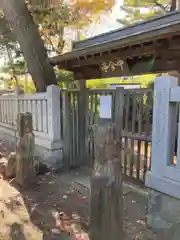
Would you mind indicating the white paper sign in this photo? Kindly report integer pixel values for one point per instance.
(105, 106)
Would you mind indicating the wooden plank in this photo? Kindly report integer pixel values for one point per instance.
(138, 163)
(133, 123)
(66, 130)
(83, 106)
(145, 159)
(140, 109)
(119, 108)
(147, 113)
(72, 160)
(77, 126)
(96, 107)
(126, 130)
(73, 133)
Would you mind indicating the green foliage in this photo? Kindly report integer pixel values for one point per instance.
(65, 78)
(143, 80)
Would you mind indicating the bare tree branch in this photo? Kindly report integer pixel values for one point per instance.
(157, 4)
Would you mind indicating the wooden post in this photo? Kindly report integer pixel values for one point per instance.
(106, 185)
(25, 169)
(82, 111)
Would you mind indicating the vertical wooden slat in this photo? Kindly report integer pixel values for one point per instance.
(138, 159)
(140, 113)
(119, 105)
(96, 107)
(147, 114)
(77, 126)
(133, 127)
(66, 132)
(82, 122)
(71, 130)
(91, 120)
(74, 151)
(126, 131)
(140, 130)
(145, 159)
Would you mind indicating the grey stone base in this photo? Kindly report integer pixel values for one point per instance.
(53, 157)
(164, 214)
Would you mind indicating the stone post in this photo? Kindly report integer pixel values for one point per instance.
(106, 186)
(54, 120)
(25, 168)
(164, 177)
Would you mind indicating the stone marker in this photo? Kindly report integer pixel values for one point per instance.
(25, 169)
(106, 186)
(10, 168)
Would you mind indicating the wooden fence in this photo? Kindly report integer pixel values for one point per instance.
(135, 132)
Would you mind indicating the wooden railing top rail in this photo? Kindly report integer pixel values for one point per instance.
(137, 136)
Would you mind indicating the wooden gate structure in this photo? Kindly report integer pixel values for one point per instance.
(136, 123)
(148, 47)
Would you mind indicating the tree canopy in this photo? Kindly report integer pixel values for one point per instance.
(139, 10)
(47, 18)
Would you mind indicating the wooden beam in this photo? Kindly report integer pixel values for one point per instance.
(85, 73)
(110, 56)
(159, 66)
(119, 55)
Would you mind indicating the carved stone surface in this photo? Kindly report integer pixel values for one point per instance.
(105, 149)
(25, 169)
(10, 170)
(106, 186)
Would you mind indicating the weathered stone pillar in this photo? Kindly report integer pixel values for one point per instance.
(106, 186)
(175, 74)
(164, 177)
(25, 169)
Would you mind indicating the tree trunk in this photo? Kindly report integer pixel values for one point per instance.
(26, 32)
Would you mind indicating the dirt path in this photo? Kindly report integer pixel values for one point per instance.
(54, 210)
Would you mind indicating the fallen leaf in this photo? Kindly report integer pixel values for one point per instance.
(84, 197)
(142, 221)
(64, 197)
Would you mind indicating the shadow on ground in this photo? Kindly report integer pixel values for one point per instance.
(51, 207)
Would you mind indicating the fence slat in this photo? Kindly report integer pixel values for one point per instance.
(126, 130)
(138, 163)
